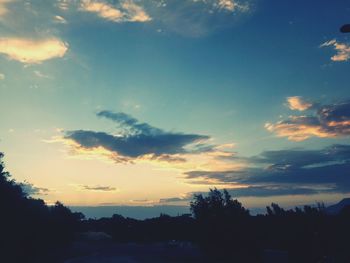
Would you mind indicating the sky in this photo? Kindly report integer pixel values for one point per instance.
(145, 103)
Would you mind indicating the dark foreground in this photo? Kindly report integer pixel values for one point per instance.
(136, 253)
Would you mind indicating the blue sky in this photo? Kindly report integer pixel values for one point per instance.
(194, 94)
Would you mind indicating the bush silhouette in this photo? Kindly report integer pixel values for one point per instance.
(31, 230)
(223, 226)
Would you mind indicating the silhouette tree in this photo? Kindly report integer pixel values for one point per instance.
(223, 226)
(30, 230)
(217, 205)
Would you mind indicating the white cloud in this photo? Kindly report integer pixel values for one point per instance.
(59, 20)
(298, 103)
(32, 51)
(343, 50)
(2, 76)
(128, 11)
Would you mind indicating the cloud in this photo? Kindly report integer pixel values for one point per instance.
(103, 10)
(285, 172)
(135, 13)
(327, 121)
(59, 20)
(130, 124)
(63, 4)
(172, 200)
(226, 5)
(98, 188)
(128, 11)
(2, 76)
(134, 140)
(197, 18)
(250, 191)
(32, 51)
(299, 128)
(231, 5)
(343, 50)
(272, 190)
(298, 103)
(39, 74)
(3, 8)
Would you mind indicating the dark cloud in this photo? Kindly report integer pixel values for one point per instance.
(281, 172)
(173, 199)
(129, 123)
(251, 191)
(327, 121)
(299, 158)
(273, 190)
(339, 112)
(136, 139)
(99, 188)
(345, 28)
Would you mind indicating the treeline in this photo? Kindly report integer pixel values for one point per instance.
(226, 232)
(305, 234)
(31, 231)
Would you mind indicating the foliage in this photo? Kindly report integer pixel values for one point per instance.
(30, 230)
(217, 206)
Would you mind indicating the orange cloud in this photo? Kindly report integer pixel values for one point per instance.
(298, 103)
(298, 132)
(231, 5)
(325, 121)
(343, 50)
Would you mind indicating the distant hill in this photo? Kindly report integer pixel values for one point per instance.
(336, 208)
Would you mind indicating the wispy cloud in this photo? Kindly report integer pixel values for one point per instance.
(102, 9)
(39, 74)
(98, 188)
(326, 121)
(32, 51)
(342, 49)
(127, 11)
(197, 18)
(226, 5)
(63, 4)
